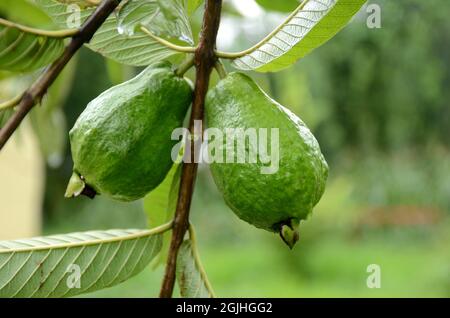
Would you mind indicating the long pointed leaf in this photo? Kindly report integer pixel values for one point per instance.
(51, 266)
(160, 204)
(23, 51)
(191, 277)
(312, 24)
(137, 49)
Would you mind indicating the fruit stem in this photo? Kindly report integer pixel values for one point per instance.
(220, 69)
(205, 59)
(289, 232)
(185, 66)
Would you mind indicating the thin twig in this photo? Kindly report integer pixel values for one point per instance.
(205, 59)
(35, 93)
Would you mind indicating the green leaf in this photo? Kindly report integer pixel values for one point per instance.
(6, 75)
(312, 24)
(191, 277)
(51, 129)
(49, 121)
(174, 21)
(52, 266)
(164, 18)
(160, 204)
(192, 5)
(5, 115)
(282, 6)
(137, 49)
(75, 187)
(24, 12)
(82, 3)
(118, 73)
(12, 88)
(23, 49)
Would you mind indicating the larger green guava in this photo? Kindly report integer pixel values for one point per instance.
(272, 201)
(121, 143)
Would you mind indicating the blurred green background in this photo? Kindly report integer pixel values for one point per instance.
(377, 101)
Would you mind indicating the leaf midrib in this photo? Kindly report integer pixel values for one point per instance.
(140, 234)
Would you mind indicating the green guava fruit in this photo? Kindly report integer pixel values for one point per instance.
(121, 143)
(272, 200)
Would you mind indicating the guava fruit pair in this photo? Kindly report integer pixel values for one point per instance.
(121, 147)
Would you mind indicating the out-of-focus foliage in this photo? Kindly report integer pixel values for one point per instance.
(167, 18)
(49, 121)
(384, 89)
(372, 89)
(191, 278)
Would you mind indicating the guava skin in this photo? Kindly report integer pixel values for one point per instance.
(274, 202)
(121, 143)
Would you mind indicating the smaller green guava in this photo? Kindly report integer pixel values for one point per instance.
(121, 144)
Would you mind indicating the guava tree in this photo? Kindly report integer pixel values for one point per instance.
(121, 142)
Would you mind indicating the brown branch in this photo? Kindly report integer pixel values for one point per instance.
(36, 92)
(205, 60)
